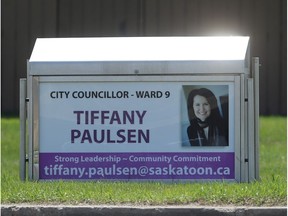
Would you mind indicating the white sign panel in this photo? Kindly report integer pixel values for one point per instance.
(136, 130)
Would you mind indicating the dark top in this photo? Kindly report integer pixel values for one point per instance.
(217, 135)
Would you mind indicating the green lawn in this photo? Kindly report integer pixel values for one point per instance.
(270, 191)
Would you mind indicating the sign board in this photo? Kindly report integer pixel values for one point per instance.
(136, 126)
(129, 130)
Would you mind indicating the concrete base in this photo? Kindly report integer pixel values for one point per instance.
(62, 210)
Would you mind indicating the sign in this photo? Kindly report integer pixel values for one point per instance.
(127, 130)
(142, 108)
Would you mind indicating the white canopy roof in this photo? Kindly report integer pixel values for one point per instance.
(114, 55)
(140, 49)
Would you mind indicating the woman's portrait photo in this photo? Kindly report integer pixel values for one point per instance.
(207, 115)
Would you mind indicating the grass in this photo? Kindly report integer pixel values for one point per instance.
(270, 191)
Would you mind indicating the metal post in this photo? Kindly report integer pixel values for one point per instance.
(255, 75)
(243, 135)
(23, 95)
(251, 130)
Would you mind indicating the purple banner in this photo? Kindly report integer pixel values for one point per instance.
(137, 166)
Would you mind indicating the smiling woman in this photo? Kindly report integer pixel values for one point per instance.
(201, 107)
(206, 124)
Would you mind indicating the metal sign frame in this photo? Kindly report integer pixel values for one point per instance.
(246, 109)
